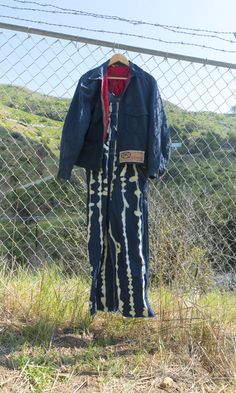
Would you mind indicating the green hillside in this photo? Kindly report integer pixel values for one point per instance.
(21, 98)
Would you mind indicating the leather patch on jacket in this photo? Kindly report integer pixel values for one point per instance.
(131, 156)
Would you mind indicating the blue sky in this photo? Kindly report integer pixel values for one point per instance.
(203, 14)
(33, 64)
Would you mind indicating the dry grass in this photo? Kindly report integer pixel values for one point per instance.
(49, 343)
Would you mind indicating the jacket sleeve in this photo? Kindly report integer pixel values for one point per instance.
(74, 129)
(159, 140)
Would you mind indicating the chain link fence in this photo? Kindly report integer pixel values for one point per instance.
(192, 209)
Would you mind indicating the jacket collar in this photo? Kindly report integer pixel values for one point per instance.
(99, 72)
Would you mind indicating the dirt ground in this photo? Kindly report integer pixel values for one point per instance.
(178, 376)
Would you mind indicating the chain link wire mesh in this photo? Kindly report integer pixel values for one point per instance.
(192, 209)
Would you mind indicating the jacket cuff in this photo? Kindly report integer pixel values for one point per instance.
(64, 173)
(161, 171)
(153, 176)
(157, 175)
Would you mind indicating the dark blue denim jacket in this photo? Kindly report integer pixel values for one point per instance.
(142, 124)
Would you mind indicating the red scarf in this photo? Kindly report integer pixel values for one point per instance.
(115, 85)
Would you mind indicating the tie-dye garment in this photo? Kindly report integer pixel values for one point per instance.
(117, 228)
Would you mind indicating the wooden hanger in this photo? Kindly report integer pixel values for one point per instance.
(118, 57)
(114, 59)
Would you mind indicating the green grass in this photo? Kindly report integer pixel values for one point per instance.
(221, 305)
(50, 300)
(39, 371)
(50, 330)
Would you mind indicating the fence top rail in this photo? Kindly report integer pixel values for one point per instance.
(69, 37)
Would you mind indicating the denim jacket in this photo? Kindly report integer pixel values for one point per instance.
(143, 135)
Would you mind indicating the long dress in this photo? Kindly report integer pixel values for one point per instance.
(117, 231)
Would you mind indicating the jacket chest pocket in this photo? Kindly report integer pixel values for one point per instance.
(135, 119)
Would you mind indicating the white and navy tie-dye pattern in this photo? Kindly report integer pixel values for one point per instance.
(117, 228)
